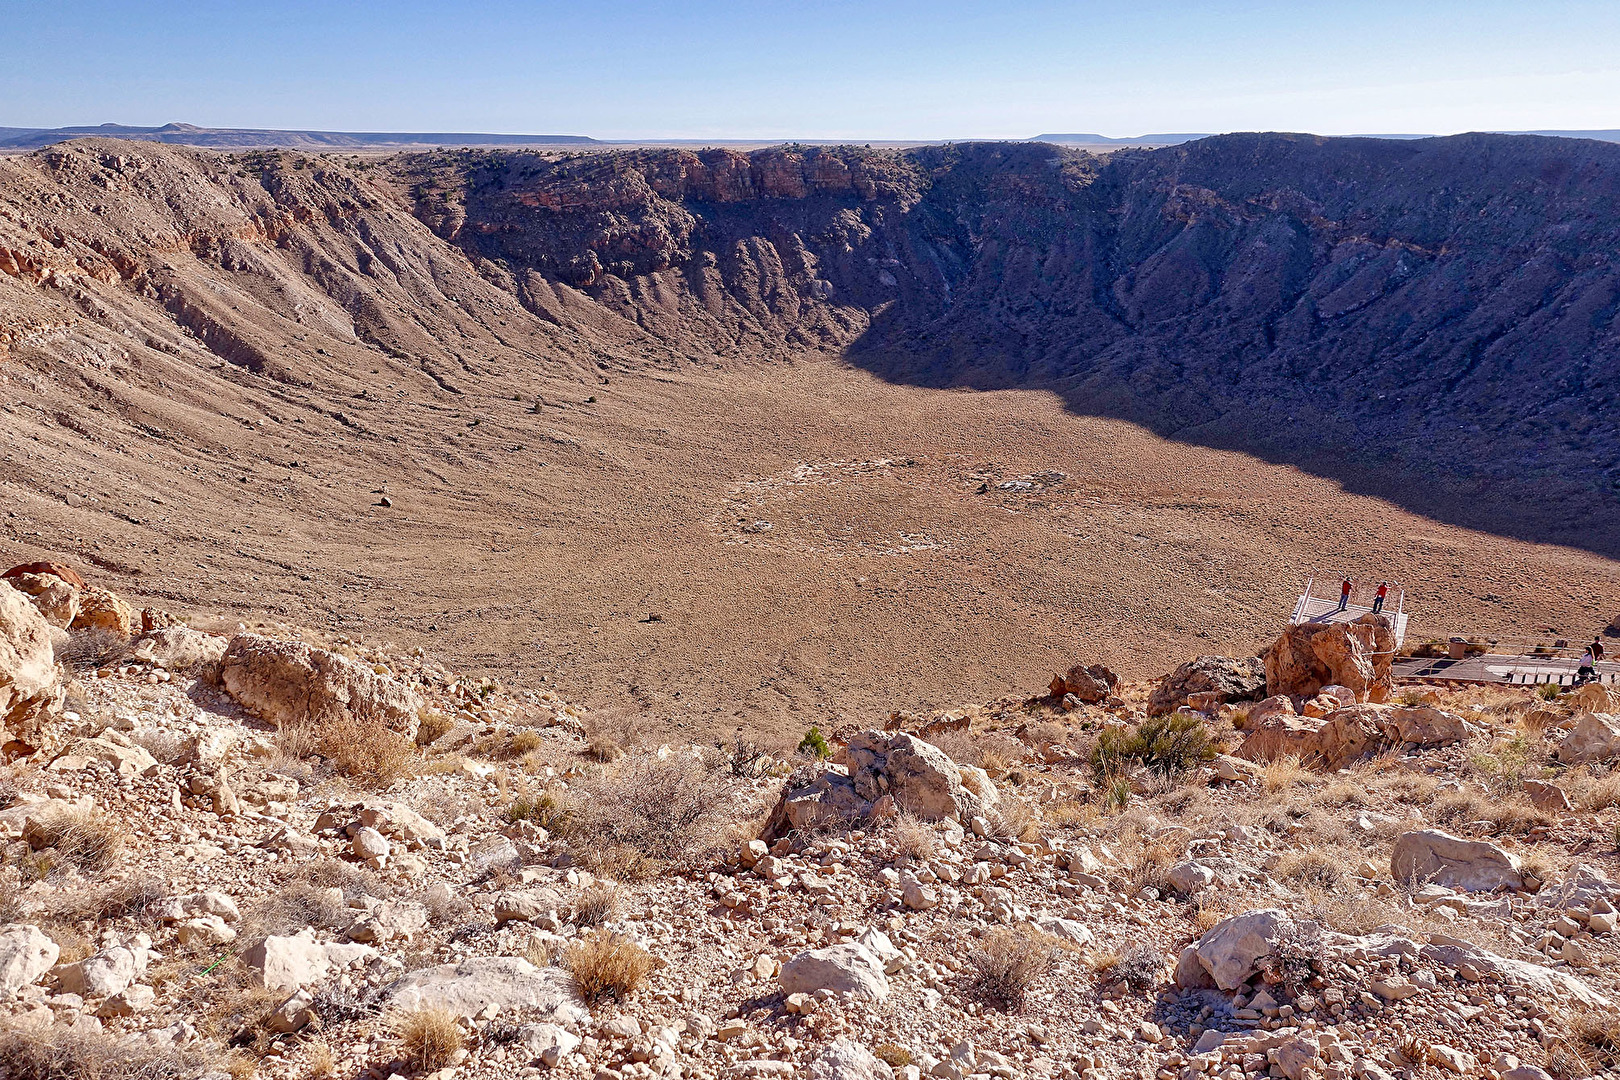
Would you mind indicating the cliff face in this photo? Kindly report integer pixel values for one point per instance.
(1431, 319)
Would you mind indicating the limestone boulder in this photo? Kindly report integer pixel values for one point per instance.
(26, 953)
(1091, 684)
(845, 1059)
(1430, 855)
(31, 688)
(1346, 735)
(1592, 737)
(1232, 678)
(1357, 656)
(290, 682)
(919, 775)
(827, 800)
(508, 982)
(111, 749)
(180, 648)
(1231, 950)
(287, 963)
(108, 972)
(57, 600)
(101, 609)
(844, 969)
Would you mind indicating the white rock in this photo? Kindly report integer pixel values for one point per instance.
(1430, 855)
(507, 982)
(26, 953)
(850, 968)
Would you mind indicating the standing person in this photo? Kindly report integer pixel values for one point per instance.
(1378, 601)
(1587, 671)
(1344, 594)
(1597, 651)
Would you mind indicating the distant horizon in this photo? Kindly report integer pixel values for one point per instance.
(18, 136)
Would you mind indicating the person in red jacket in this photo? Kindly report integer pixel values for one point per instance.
(1378, 600)
(1344, 594)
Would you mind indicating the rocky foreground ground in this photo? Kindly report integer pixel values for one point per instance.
(264, 854)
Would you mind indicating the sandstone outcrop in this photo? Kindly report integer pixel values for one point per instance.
(1230, 678)
(31, 687)
(101, 609)
(1091, 684)
(289, 682)
(1231, 950)
(843, 969)
(1355, 655)
(1346, 735)
(914, 775)
(56, 599)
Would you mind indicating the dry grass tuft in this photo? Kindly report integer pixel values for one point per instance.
(432, 725)
(1315, 867)
(914, 838)
(607, 965)
(1012, 818)
(430, 1038)
(596, 905)
(1283, 774)
(59, 1053)
(1511, 816)
(361, 749)
(88, 649)
(892, 1055)
(78, 836)
(1007, 965)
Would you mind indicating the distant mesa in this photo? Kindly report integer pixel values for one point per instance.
(249, 138)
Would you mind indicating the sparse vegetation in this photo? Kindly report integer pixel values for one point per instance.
(606, 965)
(914, 838)
(815, 745)
(1169, 745)
(1006, 966)
(430, 1038)
(664, 809)
(78, 836)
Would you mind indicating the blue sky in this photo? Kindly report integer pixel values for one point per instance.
(815, 68)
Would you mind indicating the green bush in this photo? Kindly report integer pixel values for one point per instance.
(1166, 745)
(814, 743)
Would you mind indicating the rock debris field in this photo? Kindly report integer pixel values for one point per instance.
(274, 854)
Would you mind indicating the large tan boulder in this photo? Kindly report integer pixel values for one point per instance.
(1232, 950)
(1592, 737)
(1351, 734)
(100, 609)
(291, 683)
(1091, 684)
(31, 687)
(1230, 678)
(180, 648)
(1430, 855)
(1595, 697)
(843, 969)
(56, 599)
(1357, 656)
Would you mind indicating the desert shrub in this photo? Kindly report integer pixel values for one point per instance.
(1547, 691)
(1167, 745)
(522, 742)
(595, 905)
(431, 726)
(1594, 793)
(604, 748)
(545, 810)
(430, 1038)
(1514, 816)
(291, 909)
(79, 836)
(1012, 819)
(814, 743)
(914, 838)
(1006, 965)
(1140, 967)
(988, 750)
(1284, 773)
(1148, 866)
(164, 745)
(354, 880)
(1116, 793)
(361, 749)
(230, 1006)
(320, 1061)
(607, 965)
(1313, 867)
(95, 647)
(666, 809)
(892, 1055)
(61, 1053)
